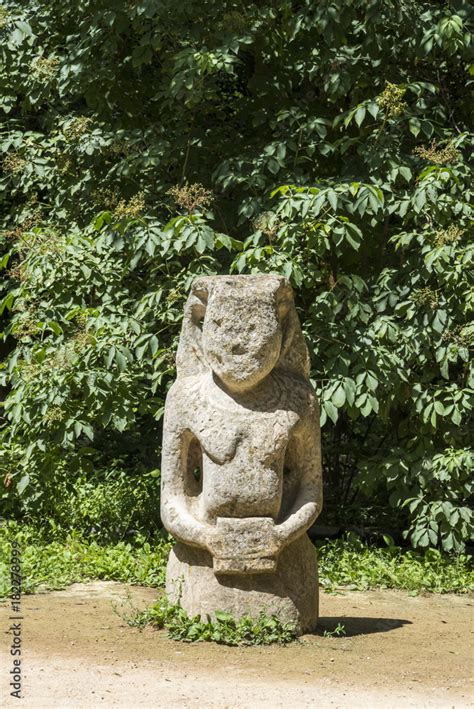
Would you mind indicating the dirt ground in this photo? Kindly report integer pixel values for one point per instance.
(399, 651)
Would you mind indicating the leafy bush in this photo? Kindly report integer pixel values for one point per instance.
(223, 628)
(353, 564)
(72, 558)
(146, 143)
(111, 506)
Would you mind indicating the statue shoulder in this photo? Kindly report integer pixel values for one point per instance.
(183, 392)
(300, 395)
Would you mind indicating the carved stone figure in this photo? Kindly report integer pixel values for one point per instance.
(241, 470)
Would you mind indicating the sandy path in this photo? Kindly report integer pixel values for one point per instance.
(398, 651)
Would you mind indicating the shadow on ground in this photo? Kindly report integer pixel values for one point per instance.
(351, 626)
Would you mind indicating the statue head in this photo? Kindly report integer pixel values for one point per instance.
(241, 328)
(241, 335)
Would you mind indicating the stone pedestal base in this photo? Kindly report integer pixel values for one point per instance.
(290, 593)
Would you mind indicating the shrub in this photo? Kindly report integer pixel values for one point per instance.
(146, 143)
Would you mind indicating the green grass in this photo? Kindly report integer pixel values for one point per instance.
(58, 563)
(352, 564)
(55, 563)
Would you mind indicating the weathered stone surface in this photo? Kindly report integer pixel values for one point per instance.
(241, 471)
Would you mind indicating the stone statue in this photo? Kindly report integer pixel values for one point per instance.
(241, 470)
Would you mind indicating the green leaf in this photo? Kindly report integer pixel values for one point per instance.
(414, 126)
(360, 115)
(5, 259)
(332, 199)
(330, 410)
(23, 484)
(87, 429)
(405, 172)
(273, 166)
(338, 397)
(154, 344)
(110, 357)
(120, 360)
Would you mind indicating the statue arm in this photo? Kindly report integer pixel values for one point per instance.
(306, 463)
(175, 513)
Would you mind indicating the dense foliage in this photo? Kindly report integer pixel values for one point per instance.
(146, 142)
